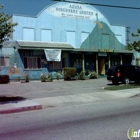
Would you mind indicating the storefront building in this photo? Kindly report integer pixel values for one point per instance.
(83, 35)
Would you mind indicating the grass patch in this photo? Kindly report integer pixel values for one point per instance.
(120, 87)
(5, 99)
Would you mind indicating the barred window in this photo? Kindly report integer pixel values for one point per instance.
(55, 65)
(32, 62)
(4, 61)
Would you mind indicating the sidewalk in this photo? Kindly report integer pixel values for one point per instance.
(58, 101)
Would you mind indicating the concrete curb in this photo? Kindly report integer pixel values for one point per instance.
(21, 109)
(20, 106)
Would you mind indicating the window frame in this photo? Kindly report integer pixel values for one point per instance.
(34, 66)
(55, 65)
(4, 63)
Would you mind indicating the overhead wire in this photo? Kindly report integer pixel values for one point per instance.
(104, 5)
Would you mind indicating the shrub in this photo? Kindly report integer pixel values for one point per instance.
(4, 79)
(50, 78)
(93, 75)
(69, 73)
(43, 78)
(82, 76)
(59, 75)
(26, 78)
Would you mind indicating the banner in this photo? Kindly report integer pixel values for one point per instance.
(53, 54)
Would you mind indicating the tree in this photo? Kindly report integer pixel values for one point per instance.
(136, 44)
(6, 27)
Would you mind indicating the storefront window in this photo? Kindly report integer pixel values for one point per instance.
(115, 60)
(32, 62)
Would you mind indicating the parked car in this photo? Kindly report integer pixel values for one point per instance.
(124, 74)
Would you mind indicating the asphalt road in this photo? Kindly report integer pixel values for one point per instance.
(109, 120)
(50, 89)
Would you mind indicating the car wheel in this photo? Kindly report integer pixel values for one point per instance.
(126, 80)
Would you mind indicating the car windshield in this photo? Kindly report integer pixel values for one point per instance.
(113, 67)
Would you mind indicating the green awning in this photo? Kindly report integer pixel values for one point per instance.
(44, 45)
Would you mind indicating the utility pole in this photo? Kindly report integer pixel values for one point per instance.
(0, 52)
(127, 33)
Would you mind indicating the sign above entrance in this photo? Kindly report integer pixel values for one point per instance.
(73, 10)
(105, 50)
(53, 54)
(102, 54)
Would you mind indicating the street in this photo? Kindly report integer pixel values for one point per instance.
(51, 53)
(106, 120)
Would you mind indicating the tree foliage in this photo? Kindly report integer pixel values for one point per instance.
(6, 27)
(136, 44)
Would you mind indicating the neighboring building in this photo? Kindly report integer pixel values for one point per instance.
(79, 33)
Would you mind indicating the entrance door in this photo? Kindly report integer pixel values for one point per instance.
(102, 66)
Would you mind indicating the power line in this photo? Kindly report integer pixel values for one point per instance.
(104, 5)
(124, 7)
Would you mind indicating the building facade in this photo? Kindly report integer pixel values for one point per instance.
(80, 33)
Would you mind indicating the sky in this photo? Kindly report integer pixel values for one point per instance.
(116, 16)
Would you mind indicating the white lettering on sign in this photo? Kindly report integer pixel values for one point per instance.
(75, 6)
(72, 11)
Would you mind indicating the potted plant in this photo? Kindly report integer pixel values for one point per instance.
(26, 78)
(93, 75)
(43, 78)
(59, 75)
(50, 78)
(81, 76)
